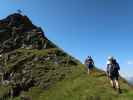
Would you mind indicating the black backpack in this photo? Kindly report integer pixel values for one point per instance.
(113, 69)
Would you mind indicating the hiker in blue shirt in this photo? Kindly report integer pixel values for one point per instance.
(113, 73)
(89, 63)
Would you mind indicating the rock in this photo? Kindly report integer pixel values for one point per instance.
(17, 31)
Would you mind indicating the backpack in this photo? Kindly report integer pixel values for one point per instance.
(89, 61)
(112, 69)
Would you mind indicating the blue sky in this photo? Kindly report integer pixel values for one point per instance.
(83, 27)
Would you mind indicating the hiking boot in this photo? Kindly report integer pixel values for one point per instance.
(119, 91)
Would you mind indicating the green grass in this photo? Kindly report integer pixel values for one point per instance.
(44, 72)
(3, 90)
(80, 86)
(51, 83)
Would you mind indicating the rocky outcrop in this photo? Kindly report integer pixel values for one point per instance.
(17, 31)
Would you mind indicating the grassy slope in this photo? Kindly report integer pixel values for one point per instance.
(76, 86)
(44, 72)
(80, 86)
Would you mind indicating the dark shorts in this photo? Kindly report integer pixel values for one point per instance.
(90, 66)
(114, 77)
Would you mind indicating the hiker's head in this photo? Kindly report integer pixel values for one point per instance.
(110, 58)
(89, 57)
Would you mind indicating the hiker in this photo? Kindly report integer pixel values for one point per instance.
(89, 64)
(113, 73)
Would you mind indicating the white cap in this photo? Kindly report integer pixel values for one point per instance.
(110, 58)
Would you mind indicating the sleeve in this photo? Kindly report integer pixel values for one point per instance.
(92, 61)
(118, 67)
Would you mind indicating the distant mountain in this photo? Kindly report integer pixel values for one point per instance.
(130, 80)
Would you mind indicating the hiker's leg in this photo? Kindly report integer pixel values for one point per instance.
(118, 85)
(88, 71)
(112, 83)
(93, 71)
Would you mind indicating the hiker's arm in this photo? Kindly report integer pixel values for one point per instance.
(92, 62)
(107, 70)
(118, 66)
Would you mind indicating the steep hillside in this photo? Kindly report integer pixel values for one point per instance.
(28, 58)
(34, 68)
(22, 69)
